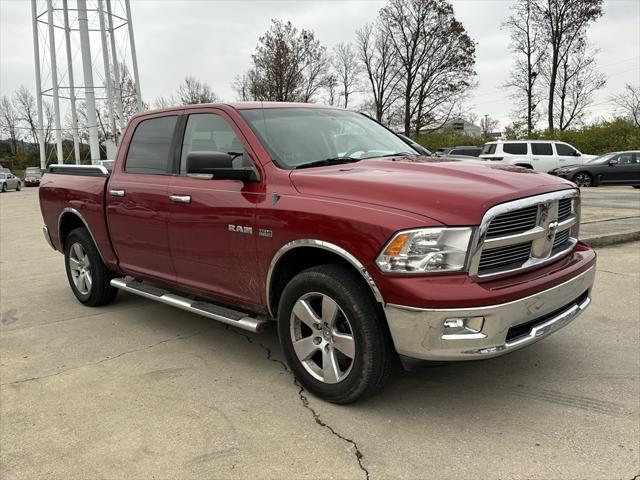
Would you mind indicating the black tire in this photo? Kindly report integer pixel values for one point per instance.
(374, 356)
(18, 186)
(583, 179)
(100, 292)
(636, 186)
(4, 187)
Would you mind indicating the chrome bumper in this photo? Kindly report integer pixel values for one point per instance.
(420, 333)
(47, 237)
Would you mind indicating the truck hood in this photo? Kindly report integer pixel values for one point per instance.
(452, 192)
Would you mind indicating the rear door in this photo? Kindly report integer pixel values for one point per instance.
(543, 156)
(211, 224)
(137, 199)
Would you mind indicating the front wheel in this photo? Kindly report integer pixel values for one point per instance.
(333, 334)
(18, 187)
(583, 179)
(88, 276)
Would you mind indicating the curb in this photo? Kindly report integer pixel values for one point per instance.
(611, 239)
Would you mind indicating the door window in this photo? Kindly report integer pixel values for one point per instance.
(565, 150)
(150, 148)
(626, 158)
(209, 132)
(541, 149)
(515, 148)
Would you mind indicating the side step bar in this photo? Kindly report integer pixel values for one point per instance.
(199, 307)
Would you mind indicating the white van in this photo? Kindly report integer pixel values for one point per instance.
(540, 155)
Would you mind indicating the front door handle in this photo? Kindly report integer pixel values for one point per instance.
(117, 193)
(180, 198)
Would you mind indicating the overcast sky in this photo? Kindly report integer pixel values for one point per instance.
(213, 40)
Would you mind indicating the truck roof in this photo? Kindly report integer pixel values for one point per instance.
(239, 106)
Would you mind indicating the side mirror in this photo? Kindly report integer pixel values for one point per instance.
(576, 154)
(613, 161)
(218, 164)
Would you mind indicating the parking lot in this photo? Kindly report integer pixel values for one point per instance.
(141, 390)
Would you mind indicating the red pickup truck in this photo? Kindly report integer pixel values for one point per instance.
(362, 250)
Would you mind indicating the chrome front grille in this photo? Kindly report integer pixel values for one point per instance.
(509, 223)
(526, 233)
(511, 256)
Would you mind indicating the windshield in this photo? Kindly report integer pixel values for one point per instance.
(300, 136)
(33, 172)
(601, 159)
(3, 176)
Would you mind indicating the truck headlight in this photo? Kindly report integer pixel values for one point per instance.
(426, 250)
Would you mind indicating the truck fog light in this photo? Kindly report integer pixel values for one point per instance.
(463, 325)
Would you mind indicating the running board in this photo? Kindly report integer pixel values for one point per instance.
(199, 307)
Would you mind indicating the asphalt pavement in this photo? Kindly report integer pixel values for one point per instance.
(141, 390)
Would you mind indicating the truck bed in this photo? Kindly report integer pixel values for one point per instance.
(77, 190)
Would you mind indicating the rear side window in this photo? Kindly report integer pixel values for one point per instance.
(541, 149)
(150, 149)
(565, 150)
(515, 148)
(489, 149)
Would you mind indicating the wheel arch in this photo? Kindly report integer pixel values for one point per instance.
(70, 219)
(301, 254)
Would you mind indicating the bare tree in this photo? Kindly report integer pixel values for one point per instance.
(331, 87)
(128, 95)
(565, 23)
(9, 122)
(436, 57)
(347, 69)
(528, 44)
(288, 65)
(192, 91)
(628, 103)
(577, 82)
(376, 53)
(25, 104)
(488, 125)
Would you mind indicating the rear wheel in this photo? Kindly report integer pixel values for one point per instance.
(88, 276)
(583, 179)
(4, 187)
(18, 186)
(333, 334)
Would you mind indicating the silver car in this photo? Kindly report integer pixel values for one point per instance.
(9, 181)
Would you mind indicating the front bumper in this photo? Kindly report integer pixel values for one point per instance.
(420, 333)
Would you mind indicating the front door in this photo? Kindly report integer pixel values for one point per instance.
(137, 202)
(211, 224)
(625, 172)
(567, 155)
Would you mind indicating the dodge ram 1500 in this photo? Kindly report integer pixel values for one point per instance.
(324, 221)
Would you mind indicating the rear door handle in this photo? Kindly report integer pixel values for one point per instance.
(180, 198)
(117, 193)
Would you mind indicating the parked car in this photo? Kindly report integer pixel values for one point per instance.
(32, 176)
(617, 168)
(415, 145)
(468, 151)
(540, 155)
(8, 181)
(245, 213)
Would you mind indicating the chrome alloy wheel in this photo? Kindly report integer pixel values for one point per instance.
(322, 337)
(582, 180)
(80, 269)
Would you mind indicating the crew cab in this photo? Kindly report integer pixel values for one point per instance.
(321, 220)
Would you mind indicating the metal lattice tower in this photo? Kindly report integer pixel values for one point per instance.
(84, 51)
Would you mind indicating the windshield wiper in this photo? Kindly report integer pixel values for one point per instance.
(328, 161)
(398, 154)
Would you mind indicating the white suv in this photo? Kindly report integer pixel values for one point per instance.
(540, 155)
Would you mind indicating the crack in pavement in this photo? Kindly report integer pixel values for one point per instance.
(304, 400)
(108, 359)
